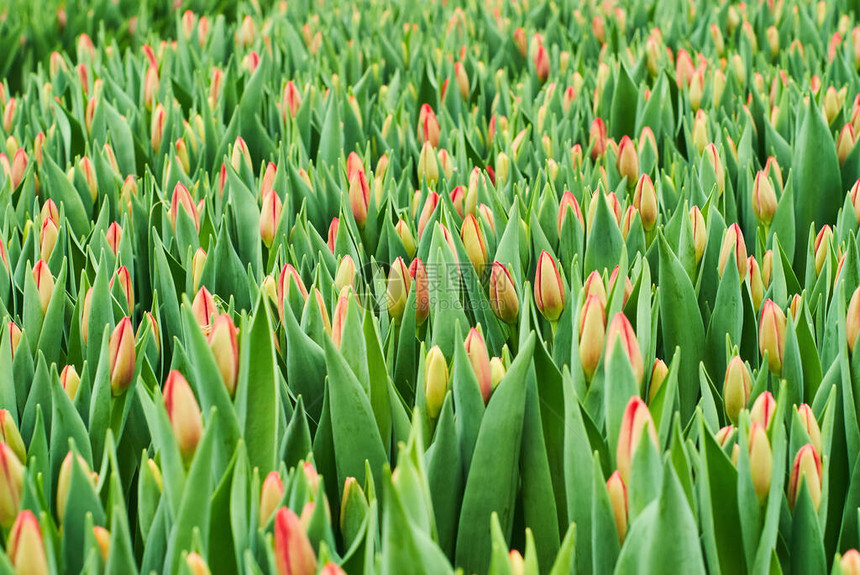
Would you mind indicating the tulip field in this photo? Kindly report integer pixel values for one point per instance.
(479, 287)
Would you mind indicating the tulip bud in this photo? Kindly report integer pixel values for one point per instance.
(549, 288)
(428, 167)
(736, 388)
(497, 371)
(541, 61)
(756, 283)
(521, 42)
(618, 499)
(332, 569)
(397, 291)
(806, 469)
(763, 198)
(771, 335)
(359, 197)
(822, 243)
(852, 323)
(850, 562)
(64, 480)
(332, 233)
(339, 316)
(810, 425)
(473, 241)
(427, 211)
(271, 495)
(405, 235)
(733, 241)
(11, 484)
(659, 372)
(767, 268)
(70, 380)
(462, 80)
(763, 409)
(126, 286)
(713, 158)
(592, 331)
(569, 204)
(159, 118)
(620, 329)
(182, 199)
(597, 138)
(293, 552)
(628, 286)
(503, 165)
(637, 419)
(240, 155)
(645, 200)
(503, 294)
(122, 356)
(435, 381)
(25, 549)
(761, 461)
(270, 215)
(422, 290)
(48, 238)
(222, 342)
(700, 232)
(19, 167)
(628, 161)
(113, 237)
(203, 307)
(183, 413)
(291, 100)
(428, 126)
(44, 283)
(845, 143)
(476, 349)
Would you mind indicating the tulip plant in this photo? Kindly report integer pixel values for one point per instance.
(435, 287)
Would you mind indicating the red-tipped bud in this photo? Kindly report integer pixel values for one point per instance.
(645, 200)
(476, 349)
(427, 211)
(125, 285)
(203, 307)
(11, 485)
(122, 356)
(549, 288)
(756, 283)
(26, 549)
(771, 335)
(806, 469)
(428, 126)
(628, 161)
(503, 294)
(270, 215)
(763, 409)
(733, 242)
(222, 342)
(850, 562)
(293, 552)
(70, 380)
(44, 283)
(852, 322)
(541, 61)
(332, 233)
(810, 425)
(597, 138)
(291, 100)
(700, 232)
(618, 498)
(637, 420)
(181, 199)
(569, 204)
(359, 197)
(592, 332)
(822, 247)
(418, 273)
(845, 143)
(64, 481)
(621, 330)
(764, 198)
(114, 237)
(183, 413)
(659, 372)
(48, 238)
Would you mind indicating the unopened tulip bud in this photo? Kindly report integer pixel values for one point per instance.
(628, 161)
(592, 332)
(222, 342)
(26, 549)
(761, 461)
(126, 286)
(291, 100)
(763, 198)
(621, 330)
(637, 419)
(597, 138)
(114, 237)
(181, 199)
(418, 273)
(294, 554)
(850, 562)
(198, 263)
(332, 569)
(48, 238)
(569, 204)
(203, 307)
(767, 268)
(503, 294)
(19, 167)
(271, 495)
(339, 316)
(541, 62)
(852, 324)
(805, 469)
(771, 335)
(497, 371)
(757, 287)
(462, 80)
(733, 242)
(270, 215)
(359, 197)
(428, 126)
(503, 166)
(183, 413)
(479, 359)
(445, 163)
(645, 200)
(713, 158)
(810, 425)
(122, 356)
(763, 409)
(659, 372)
(831, 104)
(427, 211)
(700, 232)
(406, 237)
(44, 283)
(428, 167)
(618, 499)
(159, 118)
(845, 143)
(64, 481)
(435, 381)
(473, 241)
(11, 485)
(70, 380)
(628, 286)
(736, 388)
(549, 288)
(521, 42)
(821, 247)
(397, 290)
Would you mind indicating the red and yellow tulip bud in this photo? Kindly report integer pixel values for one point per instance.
(757, 287)
(418, 273)
(406, 237)
(122, 356)
(48, 238)
(197, 565)
(18, 167)
(810, 425)
(339, 316)
(474, 243)
(445, 163)
(345, 274)
(203, 307)
(427, 211)
(771, 335)
(9, 114)
(479, 359)
(114, 237)
(26, 549)
(592, 332)
(428, 126)
(628, 161)
(549, 288)
(181, 199)
(659, 372)
(832, 104)
(150, 87)
(821, 247)
(159, 118)
(637, 421)
(183, 413)
(699, 133)
(597, 138)
(270, 215)
(763, 409)
(733, 241)
(621, 330)
(462, 80)
(845, 143)
(11, 485)
(761, 461)
(541, 62)
(724, 435)
(794, 306)
(684, 68)
(397, 290)
(271, 495)
(435, 381)
(458, 199)
(291, 100)
(70, 380)
(700, 232)
(852, 322)
(645, 200)
(767, 268)
(64, 480)
(428, 167)
(697, 88)
(10, 435)
(102, 537)
(569, 204)
(353, 165)
(332, 569)
(713, 158)
(594, 286)
(611, 202)
(359, 197)
(225, 349)
(736, 388)
(125, 285)
(521, 42)
(618, 499)
(850, 562)
(44, 283)
(503, 294)
(628, 286)
(332, 233)
(805, 469)
(763, 198)
(293, 552)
